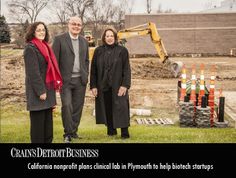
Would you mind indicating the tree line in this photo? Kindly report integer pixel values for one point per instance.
(94, 13)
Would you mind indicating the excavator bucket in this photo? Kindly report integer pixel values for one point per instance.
(174, 66)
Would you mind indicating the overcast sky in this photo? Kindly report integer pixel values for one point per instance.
(139, 6)
(176, 5)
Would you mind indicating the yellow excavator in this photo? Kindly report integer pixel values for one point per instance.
(149, 29)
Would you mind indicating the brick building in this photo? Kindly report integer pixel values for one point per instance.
(186, 33)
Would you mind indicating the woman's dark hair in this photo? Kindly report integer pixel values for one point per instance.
(30, 34)
(114, 33)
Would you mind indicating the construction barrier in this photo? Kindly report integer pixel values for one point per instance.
(202, 98)
(183, 84)
(221, 123)
(193, 90)
(211, 98)
(202, 86)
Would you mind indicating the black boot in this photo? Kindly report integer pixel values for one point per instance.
(111, 131)
(124, 133)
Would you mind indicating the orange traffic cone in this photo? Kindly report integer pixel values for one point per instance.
(202, 87)
(211, 96)
(193, 89)
(193, 85)
(183, 84)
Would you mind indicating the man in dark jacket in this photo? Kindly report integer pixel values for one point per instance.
(71, 51)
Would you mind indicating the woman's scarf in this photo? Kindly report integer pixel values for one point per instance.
(53, 75)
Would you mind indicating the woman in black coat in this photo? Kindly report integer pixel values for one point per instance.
(110, 80)
(42, 79)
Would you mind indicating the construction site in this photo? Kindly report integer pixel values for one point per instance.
(201, 92)
(202, 46)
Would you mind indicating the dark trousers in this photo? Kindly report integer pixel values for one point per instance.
(41, 126)
(108, 108)
(72, 98)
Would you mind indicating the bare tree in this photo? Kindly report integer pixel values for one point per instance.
(20, 34)
(102, 12)
(59, 8)
(149, 6)
(79, 7)
(108, 12)
(22, 10)
(159, 10)
(124, 7)
(169, 11)
(129, 4)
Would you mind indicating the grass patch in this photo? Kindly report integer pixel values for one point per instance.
(11, 52)
(15, 128)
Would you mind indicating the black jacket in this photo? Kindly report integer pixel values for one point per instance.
(121, 76)
(35, 76)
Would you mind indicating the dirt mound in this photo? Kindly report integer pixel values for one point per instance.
(12, 79)
(13, 74)
(146, 69)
